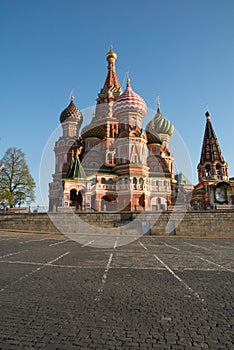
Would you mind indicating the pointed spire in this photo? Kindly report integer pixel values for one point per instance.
(111, 88)
(210, 148)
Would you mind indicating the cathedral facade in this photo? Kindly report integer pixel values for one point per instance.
(112, 164)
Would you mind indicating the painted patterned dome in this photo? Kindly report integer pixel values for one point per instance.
(159, 124)
(129, 101)
(71, 113)
(152, 136)
(93, 130)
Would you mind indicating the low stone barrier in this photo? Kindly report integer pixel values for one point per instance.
(189, 224)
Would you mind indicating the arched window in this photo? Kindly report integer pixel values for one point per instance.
(110, 181)
(109, 157)
(93, 181)
(134, 181)
(141, 181)
(156, 183)
(103, 180)
(207, 170)
(165, 183)
(218, 169)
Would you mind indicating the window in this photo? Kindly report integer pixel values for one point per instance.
(93, 181)
(134, 181)
(218, 169)
(207, 170)
(103, 180)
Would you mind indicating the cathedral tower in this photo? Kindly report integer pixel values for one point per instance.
(214, 189)
(212, 165)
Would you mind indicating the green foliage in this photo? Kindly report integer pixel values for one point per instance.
(16, 183)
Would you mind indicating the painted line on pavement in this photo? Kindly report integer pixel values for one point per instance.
(170, 246)
(196, 246)
(116, 241)
(35, 240)
(104, 279)
(179, 279)
(221, 246)
(215, 264)
(61, 242)
(86, 244)
(143, 245)
(56, 259)
(31, 273)
(10, 254)
(8, 239)
(101, 267)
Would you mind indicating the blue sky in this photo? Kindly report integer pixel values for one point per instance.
(181, 49)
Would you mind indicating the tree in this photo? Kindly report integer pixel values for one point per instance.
(16, 183)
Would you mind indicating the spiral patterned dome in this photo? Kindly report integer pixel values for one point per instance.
(129, 101)
(71, 113)
(159, 124)
(151, 134)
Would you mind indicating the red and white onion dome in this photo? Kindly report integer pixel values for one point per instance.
(71, 113)
(129, 101)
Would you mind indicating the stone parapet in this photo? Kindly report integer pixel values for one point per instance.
(182, 224)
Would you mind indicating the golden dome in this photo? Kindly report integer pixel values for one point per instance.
(111, 54)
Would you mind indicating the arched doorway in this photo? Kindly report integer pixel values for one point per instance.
(76, 199)
(108, 203)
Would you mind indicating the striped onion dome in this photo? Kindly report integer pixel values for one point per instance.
(152, 136)
(129, 101)
(71, 113)
(159, 124)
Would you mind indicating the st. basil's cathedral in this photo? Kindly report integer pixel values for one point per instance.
(112, 164)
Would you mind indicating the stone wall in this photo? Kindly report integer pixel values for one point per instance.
(195, 224)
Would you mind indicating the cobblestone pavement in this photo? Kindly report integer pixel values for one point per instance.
(154, 293)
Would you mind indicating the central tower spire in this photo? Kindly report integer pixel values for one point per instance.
(111, 88)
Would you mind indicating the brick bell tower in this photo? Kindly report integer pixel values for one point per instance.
(214, 187)
(71, 119)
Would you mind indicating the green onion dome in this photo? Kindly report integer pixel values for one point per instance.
(151, 134)
(160, 124)
(93, 130)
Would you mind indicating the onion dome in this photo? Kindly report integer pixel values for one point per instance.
(160, 124)
(93, 130)
(111, 54)
(129, 101)
(71, 113)
(152, 136)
